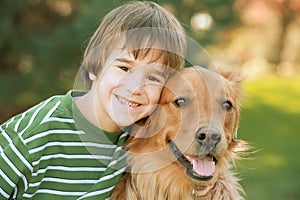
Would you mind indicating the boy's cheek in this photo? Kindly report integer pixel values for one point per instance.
(155, 94)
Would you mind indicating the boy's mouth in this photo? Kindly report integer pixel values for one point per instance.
(127, 103)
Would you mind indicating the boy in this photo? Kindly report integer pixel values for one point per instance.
(70, 146)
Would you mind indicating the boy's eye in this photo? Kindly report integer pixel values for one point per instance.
(126, 69)
(157, 79)
(152, 78)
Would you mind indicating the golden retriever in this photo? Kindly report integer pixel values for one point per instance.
(186, 148)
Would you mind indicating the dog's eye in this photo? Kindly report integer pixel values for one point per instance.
(180, 102)
(227, 105)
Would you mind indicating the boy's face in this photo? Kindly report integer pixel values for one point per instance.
(127, 89)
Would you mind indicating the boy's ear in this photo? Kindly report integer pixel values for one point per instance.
(92, 76)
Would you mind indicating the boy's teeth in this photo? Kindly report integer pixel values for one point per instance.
(126, 103)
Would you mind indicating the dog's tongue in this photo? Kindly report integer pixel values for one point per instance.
(203, 167)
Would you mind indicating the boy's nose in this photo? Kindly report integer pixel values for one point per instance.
(135, 85)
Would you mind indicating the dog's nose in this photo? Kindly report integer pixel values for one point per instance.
(208, 136)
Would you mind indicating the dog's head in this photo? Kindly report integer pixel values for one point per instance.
(195, 124)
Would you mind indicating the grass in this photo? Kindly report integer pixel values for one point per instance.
(271, 122)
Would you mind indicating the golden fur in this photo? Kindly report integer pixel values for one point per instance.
(192, 99)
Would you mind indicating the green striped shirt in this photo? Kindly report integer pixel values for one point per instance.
(51, 151)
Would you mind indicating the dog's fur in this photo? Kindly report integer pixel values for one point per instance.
(197, 119)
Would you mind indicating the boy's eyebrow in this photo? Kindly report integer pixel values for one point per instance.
(125, 60)
(130, 62)
(160, 73)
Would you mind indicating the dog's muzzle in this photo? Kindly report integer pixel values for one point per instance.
(208, 137)
(197, 168)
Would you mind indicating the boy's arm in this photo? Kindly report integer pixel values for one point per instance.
(15, 165)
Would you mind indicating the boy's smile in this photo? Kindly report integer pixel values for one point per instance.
(127, 90)
(128, 103)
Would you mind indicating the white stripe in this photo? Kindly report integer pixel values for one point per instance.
(47, 157)
(57, 119)
(56, 192)
(119, 148)
(39, 107)
(69, 169)
(12, 166)
(15, 193)
(19, 121)
(120, 158)
(49, 132)
(124, 135)
(4, 194)
(23, 115)
(60, 180)
(17, 152)
(9, 140)
(97, 192)
(103, 179)
(28, 165)
(9, 121)
(110, 176)
(51, 111)
(6, 136)
(48, 117)
(7, 179)
(69, 144)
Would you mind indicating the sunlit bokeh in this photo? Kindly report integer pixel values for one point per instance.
(201, 21)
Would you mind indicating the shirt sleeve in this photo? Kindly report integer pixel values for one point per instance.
(15, 164)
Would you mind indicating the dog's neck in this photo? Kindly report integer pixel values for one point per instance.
(201, 191)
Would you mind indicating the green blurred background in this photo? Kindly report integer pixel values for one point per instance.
(42, 43)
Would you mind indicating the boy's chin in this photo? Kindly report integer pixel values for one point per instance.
(124, 120)
(126, 123)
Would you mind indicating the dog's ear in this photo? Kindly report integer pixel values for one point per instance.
(167, 96)
(233, 76)
(236, 79)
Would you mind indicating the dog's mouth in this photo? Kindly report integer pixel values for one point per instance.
(197, 168)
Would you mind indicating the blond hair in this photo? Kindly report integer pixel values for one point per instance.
(137, 22)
